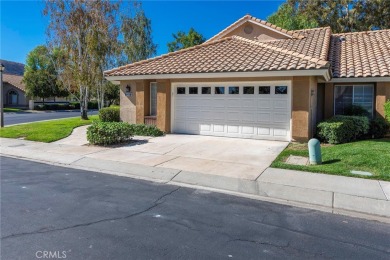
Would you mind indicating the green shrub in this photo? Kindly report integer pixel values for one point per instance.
(146, 130)
(110, 114)
(336, 132)
(106, 133)
(343, 129)
(361, 124)
(387, 110)
(379, 127)
(355, 110)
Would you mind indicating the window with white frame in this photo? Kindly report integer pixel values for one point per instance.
(153, 98)
(347, 95)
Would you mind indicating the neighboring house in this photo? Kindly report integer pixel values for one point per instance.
(256, 80)
(14, 91)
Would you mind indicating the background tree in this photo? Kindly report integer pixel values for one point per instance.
(112, 94)
(288, 18)
(85, 31)
(40, 75)
(345, 15)
(137, 38)
(183, 40)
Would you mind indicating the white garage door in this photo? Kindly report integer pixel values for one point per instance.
(258, 110)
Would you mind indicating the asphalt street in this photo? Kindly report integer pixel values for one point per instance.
(25, 117)
(77, 214)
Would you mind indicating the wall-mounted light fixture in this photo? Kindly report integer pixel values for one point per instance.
(128, 92)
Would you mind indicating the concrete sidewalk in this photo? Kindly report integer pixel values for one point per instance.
(337, 194)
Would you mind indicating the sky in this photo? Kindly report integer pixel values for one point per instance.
(23, 26)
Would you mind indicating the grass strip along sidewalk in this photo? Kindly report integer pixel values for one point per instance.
(47, 131)
(368, 155)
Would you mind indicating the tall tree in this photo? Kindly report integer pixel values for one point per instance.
(183, 40)
(346, 15)
(85, 31)
(40, 75)
(137, 38)
(288, 18)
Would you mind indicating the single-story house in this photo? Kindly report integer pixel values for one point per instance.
(14, 94)
(256, 80)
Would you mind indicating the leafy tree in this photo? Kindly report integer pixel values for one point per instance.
(86, 32)
(137, 38)
(346, 15)
(183, 40)
(40, 75)
(288, 18)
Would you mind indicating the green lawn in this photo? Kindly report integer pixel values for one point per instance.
(368, 155)
(48, 131)
(10, 109)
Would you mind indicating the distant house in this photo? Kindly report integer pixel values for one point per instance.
(14, 94)
(14, 91)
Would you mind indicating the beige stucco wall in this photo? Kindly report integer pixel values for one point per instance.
(302, 108)
(128, 103)
(258, 32)
(382, 95)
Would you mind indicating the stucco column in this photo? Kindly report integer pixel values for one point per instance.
(382, 95)
(301, 131)
(164, 105)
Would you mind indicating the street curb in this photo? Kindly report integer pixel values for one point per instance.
(237, 187)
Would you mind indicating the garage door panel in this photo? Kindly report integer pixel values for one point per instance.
(248, 130)
(206, 127)
(280, 117)
(264, 104)
(264, 131)
(280, 104)
(264, 117)
(233, 129)
(258, 116)
(218, 128)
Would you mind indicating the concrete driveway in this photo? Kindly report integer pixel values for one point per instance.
(230, 157)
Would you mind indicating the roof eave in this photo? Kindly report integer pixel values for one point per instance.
(323, 72)
(357, 80)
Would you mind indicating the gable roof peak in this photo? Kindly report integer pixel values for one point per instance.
(259, 22)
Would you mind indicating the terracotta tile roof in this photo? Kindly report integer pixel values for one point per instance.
(254, 19)
(14, 80)
(315, 43)
(231, 54)
(362, 54)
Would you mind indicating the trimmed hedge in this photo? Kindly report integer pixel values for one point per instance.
(146, 130)
(387, 110)
(379, 127)
(52, 107)
(110, 114)
(107, 133)
(343, 129)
